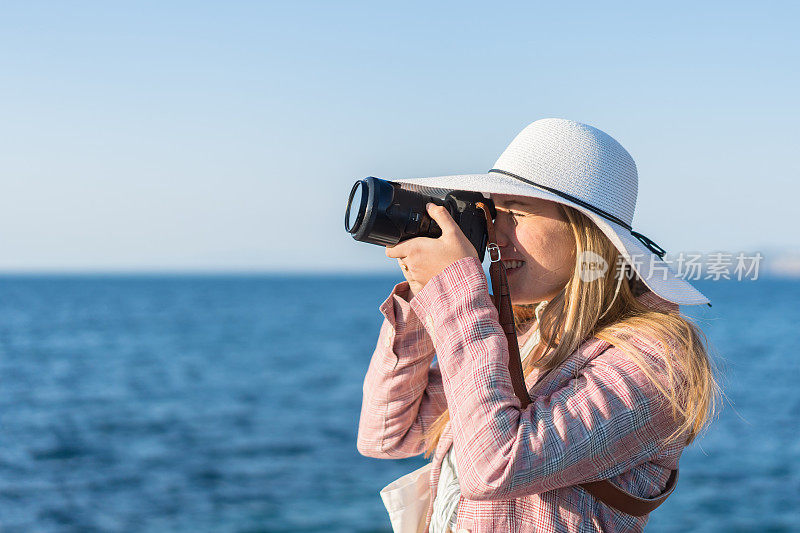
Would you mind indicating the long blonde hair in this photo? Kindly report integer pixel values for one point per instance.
(607, 309)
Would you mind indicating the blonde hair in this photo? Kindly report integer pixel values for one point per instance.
(607, 308)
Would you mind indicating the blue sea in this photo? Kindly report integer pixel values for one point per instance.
(231, 404)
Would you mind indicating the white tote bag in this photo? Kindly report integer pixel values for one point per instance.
(407, 499)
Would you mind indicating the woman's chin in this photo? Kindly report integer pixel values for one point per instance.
(520, 286)
(516, 284)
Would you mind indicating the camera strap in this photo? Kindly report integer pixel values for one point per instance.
(603, 490)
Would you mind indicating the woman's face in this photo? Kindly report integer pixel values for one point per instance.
(535, 232)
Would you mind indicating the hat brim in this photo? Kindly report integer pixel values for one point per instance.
(657, 274)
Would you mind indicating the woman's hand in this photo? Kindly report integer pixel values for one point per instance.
(425, 257)
(413, 286)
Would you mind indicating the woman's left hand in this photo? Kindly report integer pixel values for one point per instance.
(426, 257)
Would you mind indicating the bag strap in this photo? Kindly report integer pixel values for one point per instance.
(603, 490)
(624, 501)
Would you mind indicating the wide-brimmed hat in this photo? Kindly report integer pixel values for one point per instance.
(583, 167)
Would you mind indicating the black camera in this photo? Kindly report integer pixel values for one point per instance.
(384, 212)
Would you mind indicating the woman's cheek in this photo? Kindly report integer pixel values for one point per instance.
(540, 246)
(555, 249)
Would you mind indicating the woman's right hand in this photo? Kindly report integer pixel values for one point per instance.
(413, 286)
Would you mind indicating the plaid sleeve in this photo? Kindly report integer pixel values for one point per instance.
(604, 421)
(403, 390)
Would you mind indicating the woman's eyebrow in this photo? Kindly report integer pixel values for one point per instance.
(512, 203)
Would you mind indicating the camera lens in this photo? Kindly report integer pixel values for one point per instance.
(358, 196)
(381, 212)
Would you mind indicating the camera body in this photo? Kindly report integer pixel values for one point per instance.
(386, 213)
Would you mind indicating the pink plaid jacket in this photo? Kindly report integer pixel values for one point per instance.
(596, 417)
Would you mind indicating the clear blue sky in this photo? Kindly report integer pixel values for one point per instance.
(226, 135)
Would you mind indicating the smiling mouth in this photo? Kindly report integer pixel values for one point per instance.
(512, 265)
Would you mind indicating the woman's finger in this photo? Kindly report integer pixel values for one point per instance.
(400, 249)
(441, 215)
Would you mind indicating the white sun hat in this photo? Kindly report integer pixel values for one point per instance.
(580, 166)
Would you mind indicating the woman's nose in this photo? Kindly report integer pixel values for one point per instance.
(501, 229)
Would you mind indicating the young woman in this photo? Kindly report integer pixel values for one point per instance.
(625, 382)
